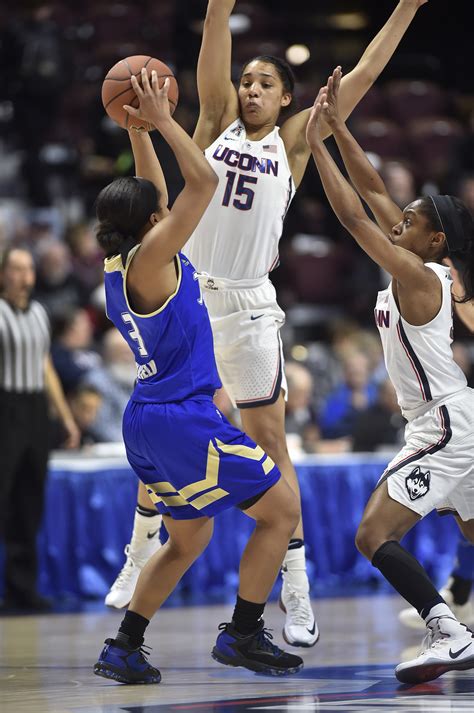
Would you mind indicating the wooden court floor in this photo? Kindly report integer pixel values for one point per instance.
(46, 665)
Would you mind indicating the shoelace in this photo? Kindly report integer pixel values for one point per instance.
(263, 639)
(434, 637)
(299, 609)
(144, 653)
(126, 572)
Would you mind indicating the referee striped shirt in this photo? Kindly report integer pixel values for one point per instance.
(24, 344)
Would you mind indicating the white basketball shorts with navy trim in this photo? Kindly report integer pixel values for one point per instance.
(435, 469)
(246, 321)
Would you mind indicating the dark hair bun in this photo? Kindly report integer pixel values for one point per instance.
(110, 238)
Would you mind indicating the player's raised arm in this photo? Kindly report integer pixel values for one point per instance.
(166, 238)
(365, 179)
(217, 95)
(147, 165)
(354, 85)
(404, 266)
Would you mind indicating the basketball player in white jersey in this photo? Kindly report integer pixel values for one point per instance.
(236, 246)
(435, 469)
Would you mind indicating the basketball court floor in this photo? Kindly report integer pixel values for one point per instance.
(46, 665)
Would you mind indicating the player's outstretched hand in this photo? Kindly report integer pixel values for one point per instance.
(154, 106)
(330, 110)
(313, 128)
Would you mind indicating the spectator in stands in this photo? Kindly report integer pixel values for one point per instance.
(400, 182)
(114, 381)
(72, 350)
(299, 408)
(382, 424)
(85, 402)
(355, 394)
(57, 285)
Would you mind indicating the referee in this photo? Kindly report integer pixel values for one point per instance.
(27, 382)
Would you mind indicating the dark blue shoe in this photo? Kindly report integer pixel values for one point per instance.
(125, 664)
(254, 651)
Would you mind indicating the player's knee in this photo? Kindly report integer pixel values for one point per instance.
(190, 548)
(368, 539)
(291, 513)
(274, 445)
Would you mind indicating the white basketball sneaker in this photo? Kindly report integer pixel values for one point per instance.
(145, 542)
(300, 627)
(463, 612)
(449, 647)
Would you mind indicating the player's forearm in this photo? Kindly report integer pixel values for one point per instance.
(214, 61)
(363, 175)
(193, 165)
(219, 9)
(344, 200)
(147, 164)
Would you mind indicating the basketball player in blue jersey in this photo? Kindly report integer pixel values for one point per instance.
(435, 469)
(235, 247)
(192, 461)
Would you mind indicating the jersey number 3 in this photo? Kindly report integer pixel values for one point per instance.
(245, 194)
(134, 333)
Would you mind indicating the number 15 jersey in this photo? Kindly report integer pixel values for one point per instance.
(238, 235)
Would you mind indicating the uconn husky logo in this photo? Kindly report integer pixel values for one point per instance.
(417, 483)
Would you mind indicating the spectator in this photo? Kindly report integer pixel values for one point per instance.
(347, 401)
(382, 424)
(299, 408)
(400, 182)
(85, 402)
(58, 287)
(114, 381)
(72, 351)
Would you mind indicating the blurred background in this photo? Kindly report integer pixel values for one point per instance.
(58, 149)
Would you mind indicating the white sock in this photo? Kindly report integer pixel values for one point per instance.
(145, 535)
(439, 610)
(294, 570)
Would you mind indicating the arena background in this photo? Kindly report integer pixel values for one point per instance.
(58, 148)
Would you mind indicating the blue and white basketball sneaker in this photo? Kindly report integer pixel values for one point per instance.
(120, 662)
(254, 651)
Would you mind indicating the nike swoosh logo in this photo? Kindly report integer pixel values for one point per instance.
(454, 655)
(311, 631)
(150, 535)
(253, 317)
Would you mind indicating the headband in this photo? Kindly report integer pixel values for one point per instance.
(450, 222)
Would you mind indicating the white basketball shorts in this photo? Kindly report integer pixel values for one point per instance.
(246, 321)
(435, 469)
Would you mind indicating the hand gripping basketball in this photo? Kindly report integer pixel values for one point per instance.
(153, 105)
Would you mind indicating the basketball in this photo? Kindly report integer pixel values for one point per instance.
(117, 88)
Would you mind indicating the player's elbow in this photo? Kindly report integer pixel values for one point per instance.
(354, 223)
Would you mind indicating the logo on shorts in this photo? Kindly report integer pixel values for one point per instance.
(210, 284)
(417, 483)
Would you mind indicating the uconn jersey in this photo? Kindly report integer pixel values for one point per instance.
(238, 235)
(172, 346)
(419, 359)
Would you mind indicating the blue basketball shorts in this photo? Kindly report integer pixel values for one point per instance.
(193, 462)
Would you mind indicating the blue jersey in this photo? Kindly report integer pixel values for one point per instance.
(173, 346)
